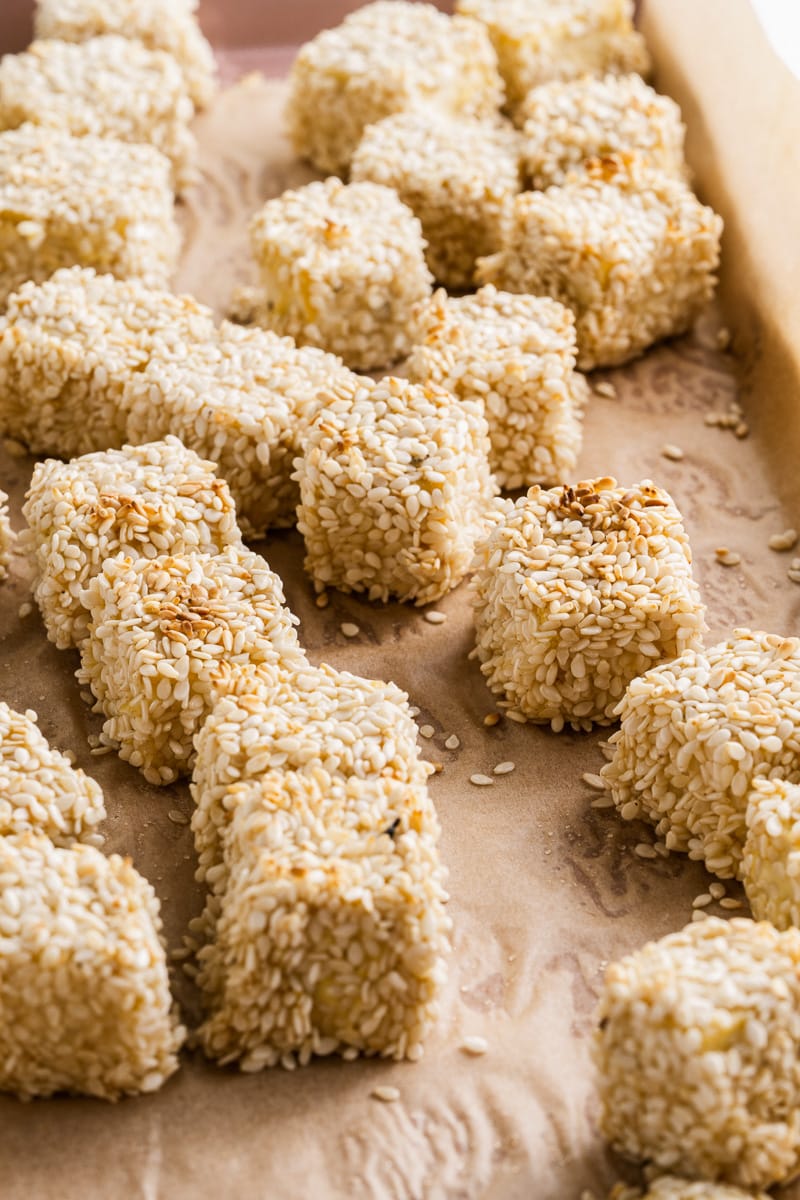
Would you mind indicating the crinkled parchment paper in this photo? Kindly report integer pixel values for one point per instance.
(545, 889)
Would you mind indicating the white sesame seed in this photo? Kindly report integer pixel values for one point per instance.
(717, 890)
(672, 452)
(481, 780)
(703, 900)
(504, 768)
(594, 781)
(602, 802)
(453, 742)
(386, 1093)
(349, 629)
(606, 389)
(474, 1045)
(177, 817)
(25, 610)
(730, 902)
(726, 557)
(783, 541)
(427, 731)
(491, 719)
(645, 850)
(435, 618)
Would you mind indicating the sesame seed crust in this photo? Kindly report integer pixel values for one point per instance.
(771, 858)
(7, 537)
(110, 87)
(332, 929)
(696, 1052)
(40, 790)
(576, 590)
(85, 1008)
(159, 498)
(395, 489)
(165, 637)
(92, 201)
(516, 356)
(169, 25)
(631, 250)
(567, 123)
(67, 347)
(457, 175)
(384, 58)
(314, 717)
(342, 267)
(697, 732)
(669, 1187)
(559, 39)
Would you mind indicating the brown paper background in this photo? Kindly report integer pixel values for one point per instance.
(545, 890)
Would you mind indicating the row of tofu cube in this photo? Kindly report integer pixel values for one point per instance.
(325, 928)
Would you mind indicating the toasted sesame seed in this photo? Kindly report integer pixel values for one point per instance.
(602, 802)
(474, 1045)
(433, 617)
(491, 719)
(437, 768)
(503, 768)
(645, 850)
(386, 1093)
(717, 890)
(703, 900)
(783, 541)
(349, 629)
(726, 557)
(481, 780)
(453, 742)
(100, 751)
(322, 600)
(427, 731)
(730, 902)
(672, 452)
(741, 430)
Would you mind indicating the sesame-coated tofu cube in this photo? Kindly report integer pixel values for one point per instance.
(457, 175)
(695, 736)
(566, 124)
(166, 636)
(516, 355)
(771, 857)
(332, 930)
(578, 590)
(110, 87)
(539, 40)
(342, 267)
(85, 1002)
(87, 201)
(316, 717)
(143, 501)
(169, 25)
(40, 790)
(385, 58)
(395, 489)
(630, 250)
(69, 345)
(696, 1054)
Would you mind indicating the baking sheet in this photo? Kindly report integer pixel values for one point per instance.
(545, 890)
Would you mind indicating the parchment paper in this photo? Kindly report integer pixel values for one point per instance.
(545, 889)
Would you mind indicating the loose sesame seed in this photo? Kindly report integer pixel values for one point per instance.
(672, 452)
(645, 850)
(177, 817)
(386, 1093)
(427, 731)
(503, 768)
(723, 338)
(491, 719)
(602, 802)
(594, 781)
(703, 900)
(730, 902)
(25, 610)
(481, 780)
(474, 1045)
(453, 742)
(741, 430)
(700, 914)
(435, 618)
(717, 890)
(726, 557)
(349, 629)
(322, 600)
(783, 541)
(606, 389)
